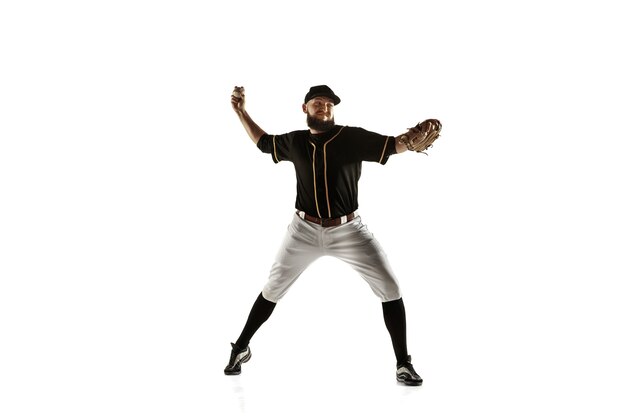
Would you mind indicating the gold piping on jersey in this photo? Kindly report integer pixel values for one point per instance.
(325, 177)
(275, 154)
(384, 148)
(315, 183)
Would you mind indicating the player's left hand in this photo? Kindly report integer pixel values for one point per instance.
(422, 136)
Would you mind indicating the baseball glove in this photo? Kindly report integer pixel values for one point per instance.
(422, 136)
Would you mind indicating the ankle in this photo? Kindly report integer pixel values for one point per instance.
(237, 347)
(406, 360)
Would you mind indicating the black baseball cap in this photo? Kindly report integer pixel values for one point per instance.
(321, 91)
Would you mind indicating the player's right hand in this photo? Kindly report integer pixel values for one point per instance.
(238, 99)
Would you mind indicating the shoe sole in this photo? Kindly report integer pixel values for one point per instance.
(243, 360)
(411, 383)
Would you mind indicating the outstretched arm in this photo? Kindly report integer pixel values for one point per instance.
(238, 101)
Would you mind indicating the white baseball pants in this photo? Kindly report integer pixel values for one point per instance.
(351, 242)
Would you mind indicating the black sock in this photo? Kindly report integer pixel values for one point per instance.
(261, 311)
(395, 320)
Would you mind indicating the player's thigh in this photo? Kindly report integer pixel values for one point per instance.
(358, 247)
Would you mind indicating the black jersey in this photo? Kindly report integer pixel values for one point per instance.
(328, 165)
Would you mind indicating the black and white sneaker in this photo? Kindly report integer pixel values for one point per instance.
(237, 357)
(407, 375)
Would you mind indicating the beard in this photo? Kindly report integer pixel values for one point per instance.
(320, 125)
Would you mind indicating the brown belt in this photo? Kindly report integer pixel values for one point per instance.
(327, 222)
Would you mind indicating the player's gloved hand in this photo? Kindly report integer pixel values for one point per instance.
(422, 136)
(238, 99)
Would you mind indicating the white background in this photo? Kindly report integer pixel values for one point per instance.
(138, 222)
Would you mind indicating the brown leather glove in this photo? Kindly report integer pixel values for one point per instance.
(422, 136)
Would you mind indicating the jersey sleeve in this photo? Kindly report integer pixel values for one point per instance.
(279, 146)
(374, 147)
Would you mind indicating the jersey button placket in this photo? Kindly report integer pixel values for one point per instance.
(320, 191)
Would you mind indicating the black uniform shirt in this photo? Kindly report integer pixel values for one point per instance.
(328, 165)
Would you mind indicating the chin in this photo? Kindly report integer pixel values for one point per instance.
(320, 123)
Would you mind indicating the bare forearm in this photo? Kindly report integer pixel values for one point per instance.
(400, 147)
(253, 130)
(238, 102)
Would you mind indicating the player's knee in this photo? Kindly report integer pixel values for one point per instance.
(272, 295)
(389, 291)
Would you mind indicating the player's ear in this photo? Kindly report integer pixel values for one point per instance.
(304, 108)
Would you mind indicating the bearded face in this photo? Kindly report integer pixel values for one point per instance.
(320, 113)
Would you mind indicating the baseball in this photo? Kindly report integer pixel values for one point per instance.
(237, 92)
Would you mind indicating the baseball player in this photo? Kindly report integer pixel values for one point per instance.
(327, 158)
